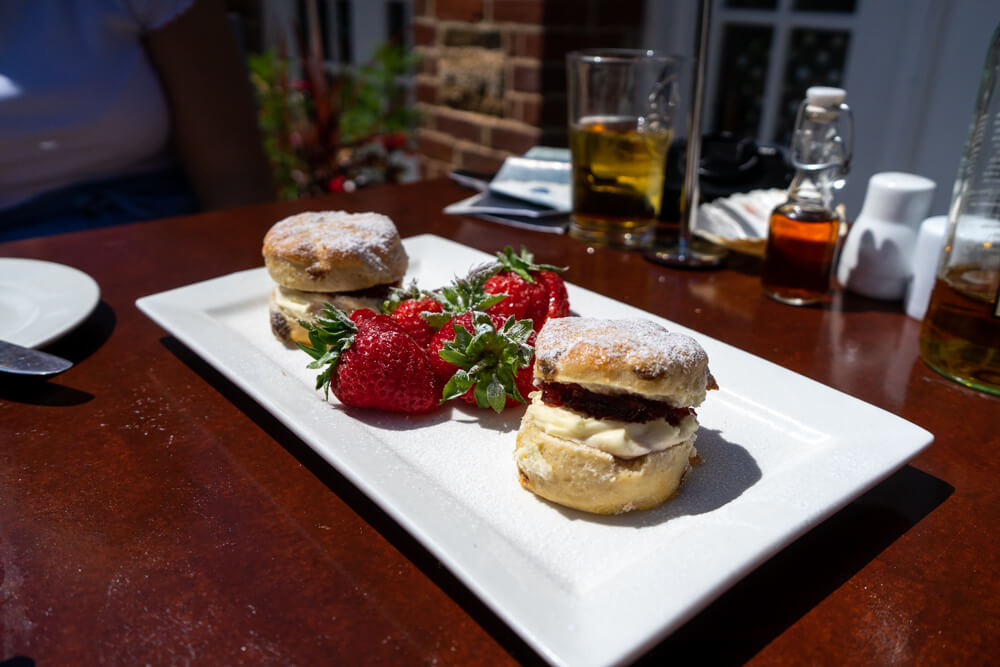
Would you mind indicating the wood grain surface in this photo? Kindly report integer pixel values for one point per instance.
(152, 513)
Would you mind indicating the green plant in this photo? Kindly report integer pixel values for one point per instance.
(374, 100)
(332, 131)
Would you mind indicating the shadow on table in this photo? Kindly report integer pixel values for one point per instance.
(730, 630)
(749, 265)
(849, 302)
(371, 513)
(75, 346)
(766, 602)
(17, 661)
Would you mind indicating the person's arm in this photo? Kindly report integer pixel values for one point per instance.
(214, 125)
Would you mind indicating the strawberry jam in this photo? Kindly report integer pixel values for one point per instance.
(620, 407)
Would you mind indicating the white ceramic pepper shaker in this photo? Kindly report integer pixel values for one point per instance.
(877, 257)
(926, 258)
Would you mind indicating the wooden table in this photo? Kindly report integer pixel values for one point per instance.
(150, 512)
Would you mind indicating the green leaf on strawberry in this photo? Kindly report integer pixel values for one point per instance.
(398, 295)
(464, 295)
(329, 337)
(488, 358)
(523, 264)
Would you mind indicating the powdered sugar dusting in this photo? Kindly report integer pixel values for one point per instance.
(635, 342)
(334, 235)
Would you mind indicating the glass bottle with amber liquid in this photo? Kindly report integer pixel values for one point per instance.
(960, 334)
(804, 232)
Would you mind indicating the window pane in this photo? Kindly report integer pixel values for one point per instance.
(815, 58)
(842, 6)
(746, 51)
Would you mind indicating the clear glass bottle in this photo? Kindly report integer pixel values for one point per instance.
(960, 335)
(804, 232)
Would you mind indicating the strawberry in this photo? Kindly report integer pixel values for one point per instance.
(423, 313)
(534, 291)
(525, 300)
(370, 361)
(485, 358)
(407, 307)
(464, 295)
(558, 299)
(409, 315)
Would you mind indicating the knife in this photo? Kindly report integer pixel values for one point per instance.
(26, 361)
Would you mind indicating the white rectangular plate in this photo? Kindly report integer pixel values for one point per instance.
(781, 453)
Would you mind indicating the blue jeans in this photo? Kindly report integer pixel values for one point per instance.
(115, 201)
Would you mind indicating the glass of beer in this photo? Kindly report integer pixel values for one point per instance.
(622, 105)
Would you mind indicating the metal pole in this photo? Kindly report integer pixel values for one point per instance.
(689, 206)
(684, 252)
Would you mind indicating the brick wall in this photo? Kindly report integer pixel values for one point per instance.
(492, 81)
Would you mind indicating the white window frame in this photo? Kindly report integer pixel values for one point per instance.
(911, 77)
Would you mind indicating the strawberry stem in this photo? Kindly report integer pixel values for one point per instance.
(398, 295)
(488, 360)
(331, 335)
(463, 295)
(524, 264)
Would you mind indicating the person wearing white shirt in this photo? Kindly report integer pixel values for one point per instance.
(113, 111)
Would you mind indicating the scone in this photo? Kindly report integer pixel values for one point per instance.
(612, 426)
(347, 259)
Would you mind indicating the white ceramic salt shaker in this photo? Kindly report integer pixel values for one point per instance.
(877, 257)
(926, 257)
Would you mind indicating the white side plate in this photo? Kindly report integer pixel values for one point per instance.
(781, 453)
(40, 301)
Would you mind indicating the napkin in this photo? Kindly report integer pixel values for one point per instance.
(739, 221)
